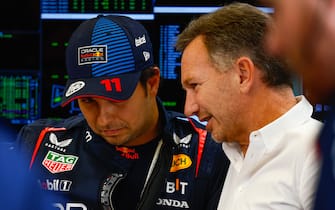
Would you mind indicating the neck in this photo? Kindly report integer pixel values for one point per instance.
(265, 107)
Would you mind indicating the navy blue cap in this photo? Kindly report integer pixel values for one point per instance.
(105, 57)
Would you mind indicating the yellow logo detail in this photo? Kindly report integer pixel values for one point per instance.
(98, 54)
(179, 162)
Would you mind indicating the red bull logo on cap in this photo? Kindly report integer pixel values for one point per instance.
(92, 54)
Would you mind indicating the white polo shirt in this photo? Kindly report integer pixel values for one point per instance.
(280, 168)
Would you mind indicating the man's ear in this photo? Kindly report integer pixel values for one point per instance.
(154, 81)
(246, 70)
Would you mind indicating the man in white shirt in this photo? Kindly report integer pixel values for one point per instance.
(278, 171)
(246, 97)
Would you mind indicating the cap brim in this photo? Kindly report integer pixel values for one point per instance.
(116, 87)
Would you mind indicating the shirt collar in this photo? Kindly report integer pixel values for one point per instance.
(297, 115)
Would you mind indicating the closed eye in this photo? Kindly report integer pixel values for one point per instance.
(191, 86)
(86, 100)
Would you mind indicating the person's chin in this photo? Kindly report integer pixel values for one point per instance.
(216, 137)
(114, 139)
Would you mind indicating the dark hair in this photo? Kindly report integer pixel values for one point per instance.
(145, 75)
(236, 30)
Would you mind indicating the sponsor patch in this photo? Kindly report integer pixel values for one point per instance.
(128, 152)
(179, 162)
(69, 206)
(88, 136)
(140, 40)
(60, 185)
(176, 186)
(56, 144)
(56, 163)
(146, 55)
(172, 202)
(92, 54)
(74, 87)
(182, 142)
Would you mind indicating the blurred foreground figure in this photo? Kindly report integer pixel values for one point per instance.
(304, 33)
(18, 188)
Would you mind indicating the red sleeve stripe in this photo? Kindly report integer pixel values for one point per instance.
(201, 144)
(39, 141)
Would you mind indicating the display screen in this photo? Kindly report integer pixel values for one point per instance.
(84, 9)
(32, 63)
(19, 96)
(96, 6)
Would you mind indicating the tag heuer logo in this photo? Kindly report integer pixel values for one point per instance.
(57, 163)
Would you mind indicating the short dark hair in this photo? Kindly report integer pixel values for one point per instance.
(236, 30)
(145, 75)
